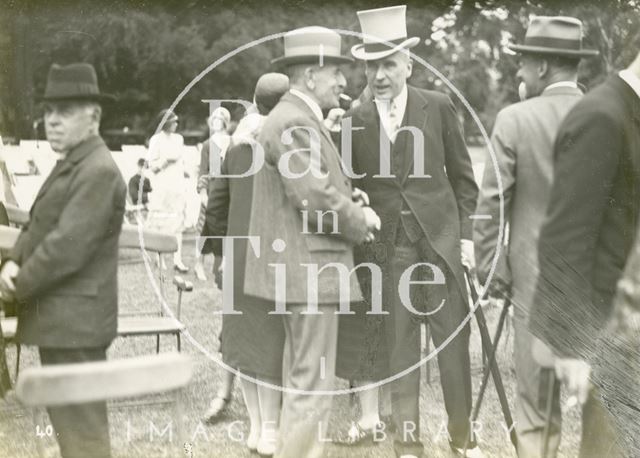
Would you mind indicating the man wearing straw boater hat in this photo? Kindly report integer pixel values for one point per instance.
(415, 135)
(62, 270)
(301, 180)
(522, 139)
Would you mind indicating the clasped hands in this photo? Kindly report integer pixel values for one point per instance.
(8, 275)
(371, 217)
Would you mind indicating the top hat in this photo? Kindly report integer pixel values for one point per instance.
(73, 82)
(384, 31)
(311, 44)
(554, 35)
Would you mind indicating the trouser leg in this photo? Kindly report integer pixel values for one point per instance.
(309, 365)
(82, 430)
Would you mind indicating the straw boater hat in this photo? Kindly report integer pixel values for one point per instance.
(311, 44)
(73, 82)
(554, 35)
(384, 31)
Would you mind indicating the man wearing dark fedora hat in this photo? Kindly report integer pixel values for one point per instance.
(585, 241)
(522, 139)
(302, 180)
(425, 226)
(62, 270)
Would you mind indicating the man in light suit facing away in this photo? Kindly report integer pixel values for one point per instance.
(522, 140)
(308, 223)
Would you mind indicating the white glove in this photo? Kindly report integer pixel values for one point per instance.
(468, 256)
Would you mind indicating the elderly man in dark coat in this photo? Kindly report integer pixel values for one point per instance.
(63, 268)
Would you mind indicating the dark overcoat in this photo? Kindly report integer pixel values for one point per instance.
(67, 287)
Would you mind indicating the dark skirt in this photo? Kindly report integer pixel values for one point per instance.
(362, 347)
(5, 379)
(253, 342)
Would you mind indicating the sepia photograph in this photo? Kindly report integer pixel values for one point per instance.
(320, 229)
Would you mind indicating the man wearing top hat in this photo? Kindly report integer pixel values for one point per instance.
(522, 139)
(424, 204)
(62, 270)
(585, 240)
(301, 179)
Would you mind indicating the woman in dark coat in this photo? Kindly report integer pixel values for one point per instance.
(252, 342)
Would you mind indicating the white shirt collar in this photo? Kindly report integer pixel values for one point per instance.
(400, 102)
(571, 84)
(631, 79)
(315, 108)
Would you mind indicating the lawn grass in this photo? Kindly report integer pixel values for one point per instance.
(135, 431)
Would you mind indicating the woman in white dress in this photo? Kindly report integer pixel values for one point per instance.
(168, 203)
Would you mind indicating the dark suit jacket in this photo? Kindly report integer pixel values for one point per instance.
(591, 219)
(440, 205)
(68, 253)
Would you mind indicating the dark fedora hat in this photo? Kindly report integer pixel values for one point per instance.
(554, 35)
(309, 45)
(73, 82)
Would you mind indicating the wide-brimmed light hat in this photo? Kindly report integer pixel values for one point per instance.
(311, 45)
(73, 82)
(554, 35)
(384, 32)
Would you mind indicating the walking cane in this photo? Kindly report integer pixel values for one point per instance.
(492, 369)
(546, 360)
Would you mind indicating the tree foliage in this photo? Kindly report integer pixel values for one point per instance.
(146, 53)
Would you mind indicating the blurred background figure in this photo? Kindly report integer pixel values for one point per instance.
(218, 143)
(167, 208)
(139, 188)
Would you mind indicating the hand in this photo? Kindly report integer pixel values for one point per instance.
(468, 257)
(360, 197)
(7, 280)
(204, 198)
(498, 288)
(372, 219)
(334, 118)
(575, 374)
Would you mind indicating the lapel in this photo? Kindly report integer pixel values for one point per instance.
(65, 165)
(416, 116)
(302, 105)
(371, 132)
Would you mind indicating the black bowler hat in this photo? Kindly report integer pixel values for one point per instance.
(74, 82)
(554, 35)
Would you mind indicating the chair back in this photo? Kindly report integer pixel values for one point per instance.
(8, 237)
(79, 383)
(156, 242)
(17, 216)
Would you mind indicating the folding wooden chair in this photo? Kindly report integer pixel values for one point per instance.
(8, 237)
(68, 384)
(153, 322)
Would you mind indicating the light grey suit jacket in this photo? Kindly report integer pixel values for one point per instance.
(522, 138)
(281, 202)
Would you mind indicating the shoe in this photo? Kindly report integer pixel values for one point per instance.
(217, 410)
(199, 271)
(179, 267)
(266, 446)
(357, 435)
(474, 452)
(252, 442)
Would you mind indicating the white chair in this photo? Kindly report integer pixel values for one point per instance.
(68, 384)
(152, 321)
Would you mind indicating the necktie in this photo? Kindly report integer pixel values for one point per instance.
(393, 123)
